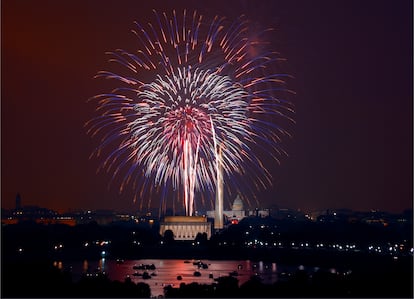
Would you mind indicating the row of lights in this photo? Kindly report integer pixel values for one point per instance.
(98, 243)
(345, 247)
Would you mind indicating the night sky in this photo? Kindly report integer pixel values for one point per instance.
(352, 64)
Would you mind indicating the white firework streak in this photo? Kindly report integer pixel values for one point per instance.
(203, 76)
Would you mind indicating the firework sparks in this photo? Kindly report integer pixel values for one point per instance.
(191, 80)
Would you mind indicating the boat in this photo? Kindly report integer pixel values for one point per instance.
(197, 273)
(151, 267)
(256, 276)
(234, 273)
(179, 277)
(137, 274)
(144, 267)
(145, 275)
(210, 275)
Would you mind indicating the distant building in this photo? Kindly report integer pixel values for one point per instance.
(57, 220)
(104, 217)
(260, 213)
(36, 214)
(185, 227)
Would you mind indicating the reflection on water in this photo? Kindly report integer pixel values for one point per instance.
(167, 271)
(58, 264)
(85, 267)
(101, 265)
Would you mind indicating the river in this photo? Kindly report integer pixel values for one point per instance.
(167, 270)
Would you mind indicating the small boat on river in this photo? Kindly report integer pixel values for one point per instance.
(144, 267)
(197, 273)
(234, 273)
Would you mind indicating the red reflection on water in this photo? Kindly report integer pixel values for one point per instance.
(167, 271)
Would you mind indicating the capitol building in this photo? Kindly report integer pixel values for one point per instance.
(237, 212)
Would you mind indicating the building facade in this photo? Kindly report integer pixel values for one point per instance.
(186, 227)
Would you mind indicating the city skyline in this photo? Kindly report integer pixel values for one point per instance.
(21, 206)
(352, 68)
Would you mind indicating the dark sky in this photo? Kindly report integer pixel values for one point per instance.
(352, 63)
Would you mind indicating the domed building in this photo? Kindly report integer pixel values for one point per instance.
(238, 204)
(236, 213)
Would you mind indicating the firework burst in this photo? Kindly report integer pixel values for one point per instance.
(193, 85)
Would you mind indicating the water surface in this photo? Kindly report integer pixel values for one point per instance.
(167, 271)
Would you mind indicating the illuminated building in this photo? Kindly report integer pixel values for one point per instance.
(186, 227)
(236, 214)
(260, 213)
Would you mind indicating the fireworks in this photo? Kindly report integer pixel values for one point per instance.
(193, 86)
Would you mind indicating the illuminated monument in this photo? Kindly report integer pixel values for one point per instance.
(186, 227)
(218, 210)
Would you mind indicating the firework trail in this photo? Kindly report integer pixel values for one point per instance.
(188, 76)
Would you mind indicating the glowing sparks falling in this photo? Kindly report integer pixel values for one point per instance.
(189, 80)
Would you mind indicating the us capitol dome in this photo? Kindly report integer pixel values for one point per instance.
(238, 204)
